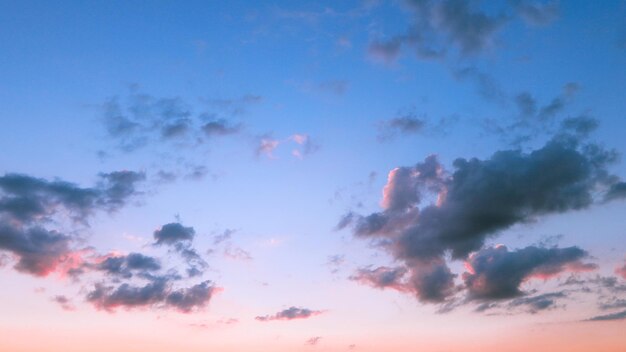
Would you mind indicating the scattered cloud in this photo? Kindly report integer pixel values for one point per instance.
(290, 314)
(64, 302)
(439, 29)
(313, 341)
(613, 316)
(476, 201)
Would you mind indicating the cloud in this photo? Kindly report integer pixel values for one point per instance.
(617, 191)
(237, 253)
(179, 238)
(537, 13)
(290, 314)
(408, 124)
(27, 199)
(157, 293)
(313, 341)
(37, 250)
(613, 316)
(382, 277)
(439, 27)
(29, 205)
(125, 265)
(220, 127)
(64, 302)
(476, 201)
(172, 233)
(266, 146)
(141, 119)
(185, 300)
(497, 273)
(307, 146)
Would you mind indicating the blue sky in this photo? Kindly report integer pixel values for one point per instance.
(284, 117)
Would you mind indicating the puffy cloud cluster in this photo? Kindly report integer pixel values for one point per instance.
(29, 205)
(121, 288)
(179, 238)
(290, 314)
(157, 293)
(429, 214)
(496, 272)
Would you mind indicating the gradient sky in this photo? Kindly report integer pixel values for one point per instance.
(296, 176)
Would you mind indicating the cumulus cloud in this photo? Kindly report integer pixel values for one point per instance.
(37, 250)
(179, 238)
(26, 199)
(157, 293)
(173, 233)
(476, 201)
(220, 127)
(290, 314)
(497, 273)
(125, 265)
(29, 205)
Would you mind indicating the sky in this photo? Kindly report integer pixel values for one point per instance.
(346, 175)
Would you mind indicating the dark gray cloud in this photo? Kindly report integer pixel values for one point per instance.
(29, 205)
(475, 202)
(527, 303)
(157, 293)
(186, 300)
(482, 197)
(172, 233)
(581, 125)
(497, 273)
(179, 238)
(290, 314)
(613, 316)
(616, 191)
(220, 127)
(382, 277)
(26, 199)
(37, 250)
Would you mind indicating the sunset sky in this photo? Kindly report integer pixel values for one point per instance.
(402, 175)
